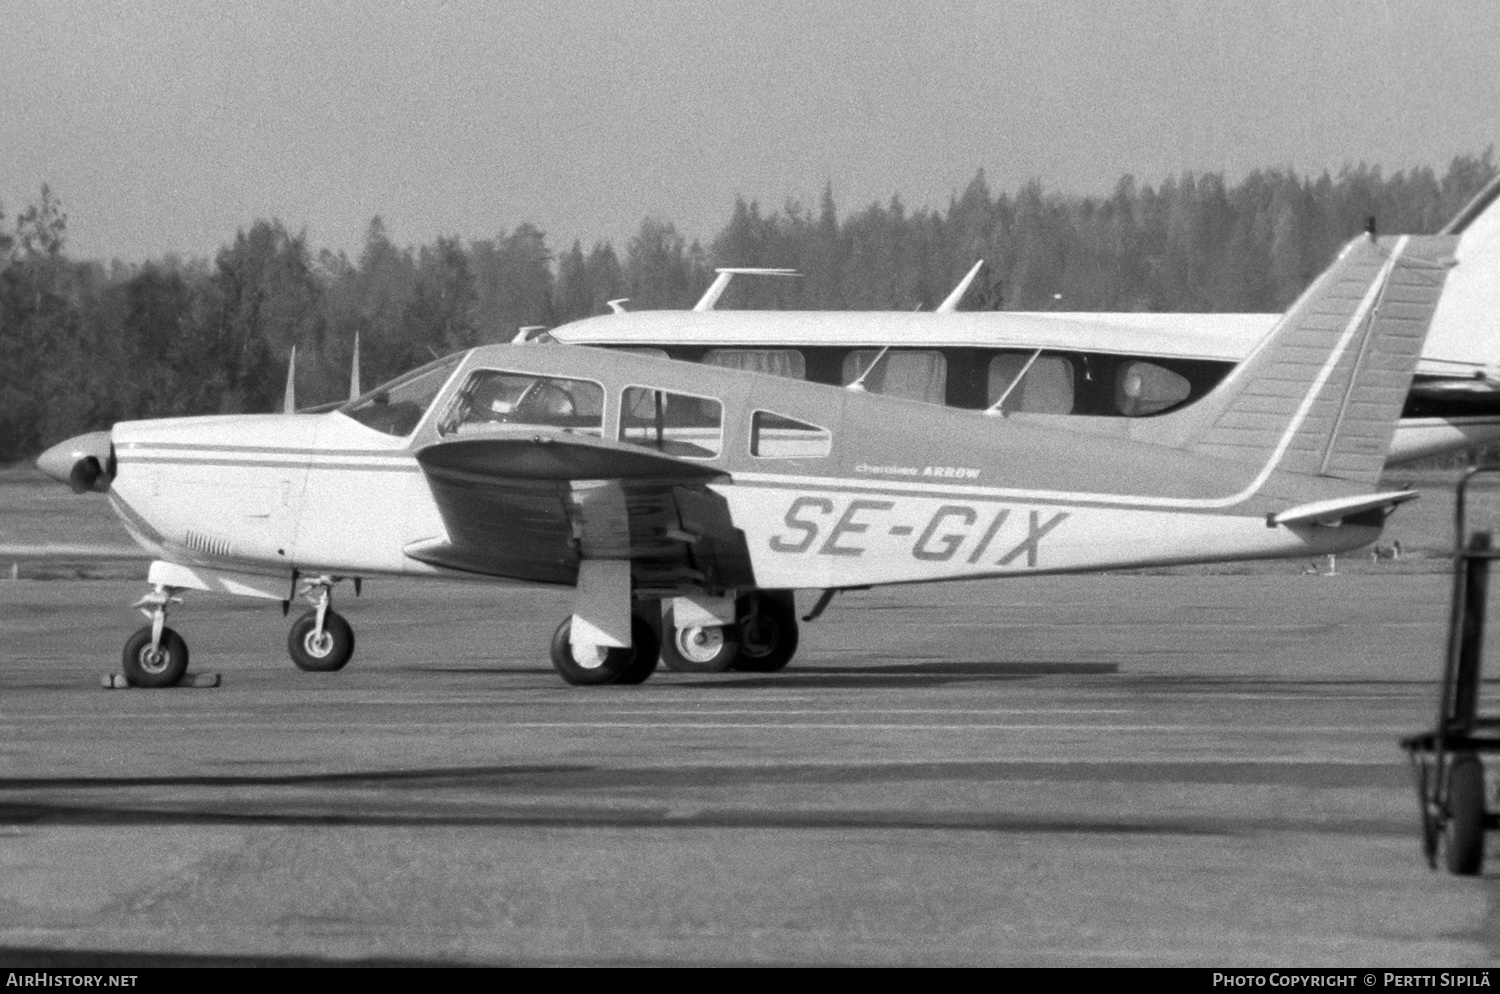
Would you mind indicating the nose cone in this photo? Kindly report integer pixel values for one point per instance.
(84, 462)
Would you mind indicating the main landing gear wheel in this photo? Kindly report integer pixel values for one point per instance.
(324, 653)
(162, 666)
(707, 649)
(768, 634)
(1462, 841)
(592, 665)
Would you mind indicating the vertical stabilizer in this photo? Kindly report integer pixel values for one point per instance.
(1465, 337)
(1321, 394)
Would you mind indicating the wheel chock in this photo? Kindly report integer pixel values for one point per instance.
(117, 681)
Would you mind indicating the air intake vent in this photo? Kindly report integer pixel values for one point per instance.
(209, 544)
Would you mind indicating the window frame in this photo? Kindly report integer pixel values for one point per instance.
(624, 408)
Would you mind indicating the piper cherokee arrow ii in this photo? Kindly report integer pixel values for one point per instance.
(686, 503)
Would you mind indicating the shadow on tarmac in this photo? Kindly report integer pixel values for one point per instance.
(805, 676)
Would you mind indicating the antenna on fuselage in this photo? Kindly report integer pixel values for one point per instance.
(617, 306)
(721, 283)
(950, 302)
(354, 390)
(289, 399)
(524, 334)
(858, 386)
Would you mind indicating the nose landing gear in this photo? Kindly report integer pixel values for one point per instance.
(321, 640)
(155, 656)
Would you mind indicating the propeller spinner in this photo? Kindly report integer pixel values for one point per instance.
(83, 462)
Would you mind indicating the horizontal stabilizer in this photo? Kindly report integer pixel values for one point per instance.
(1327, 512)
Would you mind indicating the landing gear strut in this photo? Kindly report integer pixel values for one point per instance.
(321, 640)
(155, 656)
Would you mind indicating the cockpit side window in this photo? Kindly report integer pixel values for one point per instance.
(776, 436)
(493, 398)
(678, 424)
(396, 408)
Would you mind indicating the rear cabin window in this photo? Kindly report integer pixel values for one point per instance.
(775, 436)
(1045, 388)
(916, 374)
(677, 424)
(1143, 388)
(492, 399)
(778, 362)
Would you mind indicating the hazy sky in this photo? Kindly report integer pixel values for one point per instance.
(166, 126)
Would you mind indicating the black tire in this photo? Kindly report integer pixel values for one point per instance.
(645, 652)
(711, 649)
(330, 653)
(1463, 835)
(614, 665)
(768, 633)
(162, 668)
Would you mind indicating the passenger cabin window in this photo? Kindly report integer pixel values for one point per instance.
(1143, 388)
(396, 407)
(916, 374)
(778, 362)
(678, 424)
(492, 399)
(775, 436)
(1045, 388)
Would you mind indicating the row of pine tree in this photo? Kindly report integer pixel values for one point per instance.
(85, 343)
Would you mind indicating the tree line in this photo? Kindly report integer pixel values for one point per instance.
(84, 343)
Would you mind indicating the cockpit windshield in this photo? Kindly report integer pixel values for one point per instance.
(494, 398)
(396, 407)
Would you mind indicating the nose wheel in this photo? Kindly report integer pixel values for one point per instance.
(161, 662)
(320, 641)
(155, 656)
(320, 652)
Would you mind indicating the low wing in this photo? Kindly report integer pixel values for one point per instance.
(532, 506)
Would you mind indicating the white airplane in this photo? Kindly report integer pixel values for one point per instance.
(1116, 366)
(693, 500)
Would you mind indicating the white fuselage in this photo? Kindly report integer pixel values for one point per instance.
(322, 494)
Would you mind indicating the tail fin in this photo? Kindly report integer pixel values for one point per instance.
(1320, 395)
